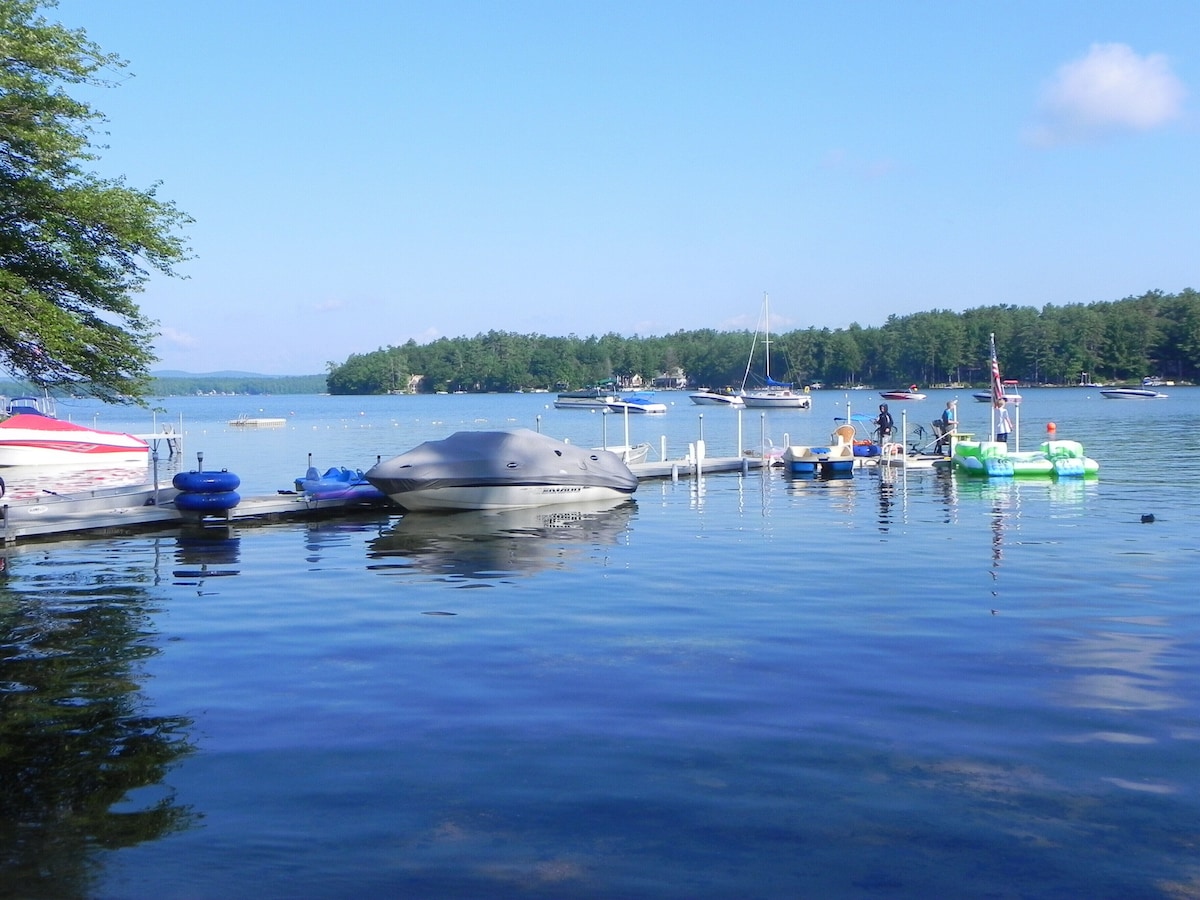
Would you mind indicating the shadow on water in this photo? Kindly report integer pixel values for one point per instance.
(491, 544)
(81, 763)
(200, 553)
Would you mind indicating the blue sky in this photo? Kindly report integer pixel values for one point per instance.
(361, 174)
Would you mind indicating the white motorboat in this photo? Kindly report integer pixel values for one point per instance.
(585, 398)
(1132, 394)
(509, 469)
(723, 397)
(986, 396)
(630, 454)
(29, 439)
(637, 404)
(772, 394)
(244, 421)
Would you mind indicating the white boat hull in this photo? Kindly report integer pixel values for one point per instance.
(49, 442)
(776, 400)
(630, 455)
(591, 403)
(639, 408)
(492, 496)
(1131, 394)
(986, 397)
(707, 398)
(508, 469)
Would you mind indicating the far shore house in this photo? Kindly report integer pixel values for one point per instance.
(674, 380)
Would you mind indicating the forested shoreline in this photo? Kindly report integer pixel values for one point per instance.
(1123, 340)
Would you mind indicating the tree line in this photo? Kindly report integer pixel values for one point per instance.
(1122, 340)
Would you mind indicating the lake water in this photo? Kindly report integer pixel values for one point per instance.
(896, 685)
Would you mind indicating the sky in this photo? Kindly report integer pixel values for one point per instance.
(365, 174)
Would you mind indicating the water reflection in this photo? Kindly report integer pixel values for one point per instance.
(1124, 664)
(82, 762)
(26, 482)
(498, 543)
(207, 552)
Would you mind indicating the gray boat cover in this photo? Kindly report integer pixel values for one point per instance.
(515, 456)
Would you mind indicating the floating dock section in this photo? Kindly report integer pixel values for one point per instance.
(120, 510)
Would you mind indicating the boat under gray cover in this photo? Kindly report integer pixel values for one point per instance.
(511, 468)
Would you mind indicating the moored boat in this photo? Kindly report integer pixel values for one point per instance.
(630, 454)
(833, 460)
(245, 421)
(637, 404)
(31, 439)
(508, 469)
(1132, 394)
(337, 483)
(722, 397)
(585, 398)
(1009, 396)
(771, 394)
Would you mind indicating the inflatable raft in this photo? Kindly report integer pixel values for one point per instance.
(993, 459)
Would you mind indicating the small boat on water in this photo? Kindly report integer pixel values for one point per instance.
(986, 396)
(508, 469)
(338, 483)
(37, 406)
(835, 460)
(722, 397)
(35, 439)
(630, 454)
(245, 421)
(911, 394)
(1008, 392)
(1132, 394)
(637, 404)
(585, 398)
(772, 394)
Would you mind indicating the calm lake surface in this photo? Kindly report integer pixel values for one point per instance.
(899, 685)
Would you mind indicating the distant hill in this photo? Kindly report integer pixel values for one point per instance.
(177, 373)
(168, 383)
(179, 383)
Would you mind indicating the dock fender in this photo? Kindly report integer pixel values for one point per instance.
(223, 480)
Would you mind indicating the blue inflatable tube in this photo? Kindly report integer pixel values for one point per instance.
(207, 501)
(206, 481)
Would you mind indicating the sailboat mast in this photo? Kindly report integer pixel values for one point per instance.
(767, 334)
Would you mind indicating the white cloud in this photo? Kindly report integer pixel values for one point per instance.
(177, 337)
(1110, 90)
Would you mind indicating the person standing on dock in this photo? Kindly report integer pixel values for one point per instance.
(1003, 423)
(884, 424)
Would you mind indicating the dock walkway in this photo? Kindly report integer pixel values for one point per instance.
(121, 510)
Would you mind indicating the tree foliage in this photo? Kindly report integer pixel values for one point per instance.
(74, 247)
(1123, 340)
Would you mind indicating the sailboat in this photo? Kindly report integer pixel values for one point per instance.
(773, 394)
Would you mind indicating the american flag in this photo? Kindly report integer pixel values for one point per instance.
(997, 387)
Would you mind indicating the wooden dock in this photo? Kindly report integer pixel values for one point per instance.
(121, 510)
